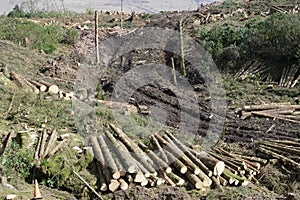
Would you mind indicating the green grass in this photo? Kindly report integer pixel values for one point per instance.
(46, 38)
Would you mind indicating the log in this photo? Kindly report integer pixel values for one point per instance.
(139, 177)
(226, 160)
(282, 148)
(17, 79)
(169, 180)
(212, 163)
(36, 154)
(123, 184)
(284, 159)
(56, 148)
(53, 138)
(217, 183)
(40, 86)
(178, 153)
(194, 180)
(267, 106)
(159, 148)
(185, 149)
(268, 115)
(118, 162)
(43, 143)
(128, 142)
(109, 160)
(146, 173)
(123, 153)
(138, 153)
(51, 88)
(222, 181)
(114, 185)
(159, 162)
(177, 164)
(178, 180)
(102, 181)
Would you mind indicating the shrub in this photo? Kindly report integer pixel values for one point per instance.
(18, 160)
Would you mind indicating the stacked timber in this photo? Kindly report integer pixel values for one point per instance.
(121, 163)
(286, 151)
(38, 86)
(280, 111)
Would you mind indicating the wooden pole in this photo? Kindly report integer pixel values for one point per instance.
(121, 14)
(88, 185)
(97, 36)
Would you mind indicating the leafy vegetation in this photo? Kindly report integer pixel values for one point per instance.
(275, 37)
(16, 159)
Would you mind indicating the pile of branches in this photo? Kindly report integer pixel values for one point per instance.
(286, 151)
(122, 163)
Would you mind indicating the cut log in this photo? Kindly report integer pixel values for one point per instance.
(159, 162)
(178, 180)
(102, 181)
(178, 153)
(139, 177)
(37, 150)
(40, 86)
(146, 173)
(51, 142)
(222, 180)
(194, 180)
(284, 159)
(212, 163)
(176, 163)
(217, 183)
(17, 79)
(43, 143)
(169, 180)
(123, 184)
(159, 148)
(138, 153)
(114, 185)
(123, 153)
(51, 88)
(56, 148)
(108, 157)
(190, 155)
(266, 106)
(282, 148)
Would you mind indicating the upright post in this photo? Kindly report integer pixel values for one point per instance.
(97, 36)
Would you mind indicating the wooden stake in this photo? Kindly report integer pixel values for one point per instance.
(97, 36)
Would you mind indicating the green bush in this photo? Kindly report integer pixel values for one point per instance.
(17, 160)
(276, 37)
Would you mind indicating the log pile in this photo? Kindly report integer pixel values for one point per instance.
(280, 111)
(40, 86)
(121, 163)
(48, 145)
(286, 151)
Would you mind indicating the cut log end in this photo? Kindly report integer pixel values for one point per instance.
(219, 168)
(113, 185)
